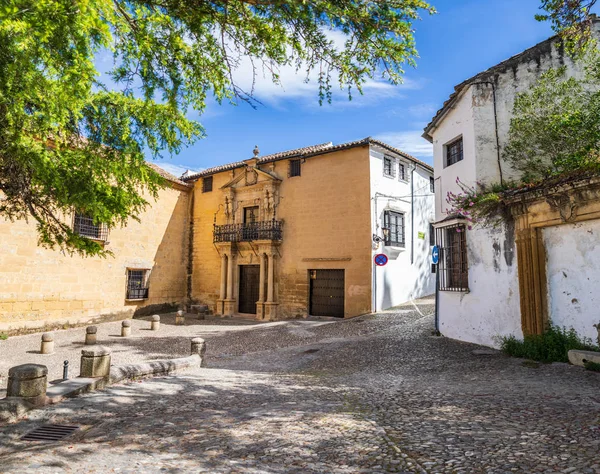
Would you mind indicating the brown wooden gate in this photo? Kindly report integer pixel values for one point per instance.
(327, 293)
(249, 285)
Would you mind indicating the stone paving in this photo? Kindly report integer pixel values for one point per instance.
(373, 394)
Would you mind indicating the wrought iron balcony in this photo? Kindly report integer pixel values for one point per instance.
(263, 230)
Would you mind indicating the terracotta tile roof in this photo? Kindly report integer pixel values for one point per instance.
(306, 152)
(166, 175)
(488, 75)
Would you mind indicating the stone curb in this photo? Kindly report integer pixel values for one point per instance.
(12, 408)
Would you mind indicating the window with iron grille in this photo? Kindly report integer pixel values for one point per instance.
(207, 184)
(295, 168)
(453, 267)
(431, 235)
(84, 226)
(388, 167)
(137, 284)
(394, 222)
(402, 171)
(432, 184)
(454, 152)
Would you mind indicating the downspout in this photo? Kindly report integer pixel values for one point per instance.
(495, 127)
(412, 214)
(373, 266)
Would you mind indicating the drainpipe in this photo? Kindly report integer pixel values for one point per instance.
(412, 214)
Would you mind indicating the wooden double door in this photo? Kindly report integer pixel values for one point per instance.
(249, 288)
(327, 293)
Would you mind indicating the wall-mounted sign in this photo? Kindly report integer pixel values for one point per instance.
(381, 259)
(421, 235)
(435, 255)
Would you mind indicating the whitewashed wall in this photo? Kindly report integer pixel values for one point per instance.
(400, 280)
(573, 272)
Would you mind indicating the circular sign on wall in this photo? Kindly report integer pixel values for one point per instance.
(381, 259)
(435, 255)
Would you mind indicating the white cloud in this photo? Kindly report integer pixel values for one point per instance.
(423, 110)
(410, 142)
(175, 169)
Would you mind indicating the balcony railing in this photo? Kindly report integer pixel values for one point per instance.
(264, 230)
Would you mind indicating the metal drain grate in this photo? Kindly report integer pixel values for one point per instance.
(50, 433)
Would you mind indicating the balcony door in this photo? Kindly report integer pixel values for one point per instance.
(249, 286)
(250, 229)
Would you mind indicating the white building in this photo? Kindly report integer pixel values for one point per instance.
(479, 288)
(402, 196)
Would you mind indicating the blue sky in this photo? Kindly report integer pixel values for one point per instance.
(464, 38)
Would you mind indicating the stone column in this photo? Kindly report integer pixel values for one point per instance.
(270, 311)
(260, 304)
(95, 362)
(223, 293)
(229, 303)
(28, 381)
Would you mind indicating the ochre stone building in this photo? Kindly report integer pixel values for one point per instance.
(279, 236)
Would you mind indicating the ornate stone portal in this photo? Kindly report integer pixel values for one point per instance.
(247, 232)
(576, 201)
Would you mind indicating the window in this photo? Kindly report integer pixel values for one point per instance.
(454, 152)
(453, 267)
(432, 184)
(295, 168)
(402, 171)
(431, 235)
(137, 284)
(207, 184)
(394, 222)
(84, 226)
(250, 215)
(388, 167)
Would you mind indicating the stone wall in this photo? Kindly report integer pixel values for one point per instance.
(41, 287)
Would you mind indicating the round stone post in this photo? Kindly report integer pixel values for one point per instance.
(28, 381)
(90, 335)
(47, 343)
(95, 362)
(155, 323)
(202, 311)
(180, 318)
(126, 328)
(198, 346)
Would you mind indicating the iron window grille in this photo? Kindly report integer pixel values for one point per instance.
(295, 168)
(431, 235)
(388, 167)
(137, 284)
(454, 152)
(432, 184)
(85, 226)
(207, 184)
(260, 230)
(453, 267)
(402, 171)
(394, 223)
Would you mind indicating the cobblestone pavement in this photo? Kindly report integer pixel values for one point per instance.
(372, 394)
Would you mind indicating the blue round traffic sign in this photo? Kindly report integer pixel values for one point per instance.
(435, 255)
(381, 259)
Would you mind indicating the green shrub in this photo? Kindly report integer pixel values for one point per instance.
(3, 337)
(551, 346)
(593, 366)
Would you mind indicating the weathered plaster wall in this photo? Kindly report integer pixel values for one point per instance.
(400, 280)
(40, 287)
(573, 270)
(491, 307)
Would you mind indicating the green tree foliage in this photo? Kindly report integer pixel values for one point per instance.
(555, 129)
(70, 142)
(570, 18)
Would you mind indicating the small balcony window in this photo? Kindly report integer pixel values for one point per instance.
(85, 226)
(394, 223)
(432, 184)
(137, 284)
(295, 168)
(207, 184)
(454, 152)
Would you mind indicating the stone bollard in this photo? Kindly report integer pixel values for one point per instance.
(155, 323)
(180, 318)
(198, 347)
(95, 362)
(90, 335)
(47, 343)
(28, 381)
(126, 328)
